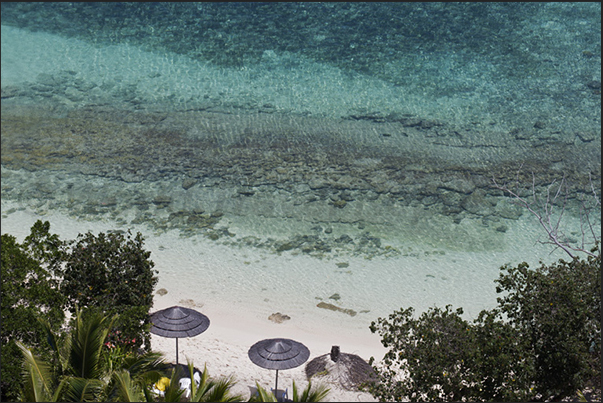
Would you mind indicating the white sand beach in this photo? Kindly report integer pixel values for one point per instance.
(224, 346)
(239, 288)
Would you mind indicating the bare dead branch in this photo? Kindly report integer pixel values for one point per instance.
(544, 211)
(592, 188)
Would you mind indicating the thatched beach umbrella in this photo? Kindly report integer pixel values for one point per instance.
(178, 321)
(278, 354)
(349, 370)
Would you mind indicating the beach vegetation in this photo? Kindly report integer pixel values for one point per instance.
(79, 369)
(541, 343)
(45, 277)
(83, 366)
(30, 288)
(262, 395)
(308, 394)
(172, 391)
(111, 274)
(211, 390)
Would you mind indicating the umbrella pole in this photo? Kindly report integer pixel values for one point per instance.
(176, 351)
(276, 386)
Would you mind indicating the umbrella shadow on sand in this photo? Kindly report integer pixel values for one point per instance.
(348, 370)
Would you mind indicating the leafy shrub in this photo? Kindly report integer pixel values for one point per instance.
(557, 310)
(542, 342)
(113, 274)
(108, 273)
(29, 290)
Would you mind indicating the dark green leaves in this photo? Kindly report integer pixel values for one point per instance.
(557, 308)
(542, 342)
(29, 288)
(113, 274)
(107, 274)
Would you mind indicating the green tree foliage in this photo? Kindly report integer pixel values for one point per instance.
(46, 248)
(542, 342)
(112, 273)
(45, 275)
(82, 373)
(38, 380)
(556, 308)
(30, 279)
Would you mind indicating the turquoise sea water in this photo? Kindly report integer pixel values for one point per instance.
(360, 141)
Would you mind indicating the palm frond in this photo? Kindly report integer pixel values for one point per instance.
(59, 351)
(145, 369)
(191, 374)
(37, 378)
(317, 394)
(140, 364)
(125, 389)
(173, 393)
(198, 392)
(221, 391)
(83, 390)
(50, 336)
(148, 378)
(86, 344)
(148, 395)
(296, 397)
(263, 395)
(210, 390)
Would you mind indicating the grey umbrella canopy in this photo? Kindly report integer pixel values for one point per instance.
(278, 354)
(178, 321)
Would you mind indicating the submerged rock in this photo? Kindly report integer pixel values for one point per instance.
(188, 183)
(506, 209)
(477, 203)
(339, 203)
(162, 200)
(331, 307)
(278, 317)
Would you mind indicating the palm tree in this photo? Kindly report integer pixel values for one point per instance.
(82, 374)
(39, 385)
(125, 389)
(210, 390)
(133, 377)
(309, 394)
(317, 394)
(78, 363)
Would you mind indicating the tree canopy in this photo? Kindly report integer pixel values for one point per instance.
(112, 273)
(542, 341)
(46, 276)
(30, 288)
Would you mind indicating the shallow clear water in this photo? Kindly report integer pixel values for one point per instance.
(310, 149)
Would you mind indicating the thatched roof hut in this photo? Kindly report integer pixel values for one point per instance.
(348, 370)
